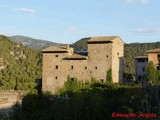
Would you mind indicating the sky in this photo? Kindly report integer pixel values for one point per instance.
(66, 21)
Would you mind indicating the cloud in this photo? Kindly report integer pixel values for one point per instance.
(147, 30)
(26, 10)
(135, 1)
(4, 6)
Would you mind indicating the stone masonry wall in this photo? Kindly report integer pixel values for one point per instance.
(153, 57)
(101, 57)
(117, 61)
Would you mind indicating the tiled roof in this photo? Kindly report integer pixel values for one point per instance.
(55, 48)
(141, 57)
(102, 39)
(76, 56)
(154, 51)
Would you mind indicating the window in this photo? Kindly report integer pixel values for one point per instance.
(71, 66)
(96, 67)
(143, 69)
(158, 68)
(102, 80)
(56, 55)
(56, 66)
(139, 77)
(85, 68)
(56, 77)
(118, 53)
(72, 79)
(107, 56)
(141, 60)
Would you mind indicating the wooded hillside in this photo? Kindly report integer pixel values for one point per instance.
(20, 66)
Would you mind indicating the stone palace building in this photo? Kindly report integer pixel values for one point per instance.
(104, 53)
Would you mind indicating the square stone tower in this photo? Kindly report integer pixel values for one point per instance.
(104, 53)
(107, 53)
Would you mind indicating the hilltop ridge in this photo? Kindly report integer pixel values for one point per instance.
(32, 42)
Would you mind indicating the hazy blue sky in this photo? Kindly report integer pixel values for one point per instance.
(67, 21)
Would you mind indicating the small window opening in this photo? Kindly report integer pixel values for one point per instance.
(118, 53)
(102, 80)
(158, 68)
(139, 77)
(71, 66)
(56, 66)
(56, 55)
(143, 69)
(85, 67)
(56, 77)
(107, 56)
(96, 67)
(72, 79)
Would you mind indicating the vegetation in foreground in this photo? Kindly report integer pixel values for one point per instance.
(96, 101)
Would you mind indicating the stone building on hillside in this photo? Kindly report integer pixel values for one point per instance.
(104, 53)
(142, 61)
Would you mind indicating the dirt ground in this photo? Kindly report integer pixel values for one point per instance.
(8, 99)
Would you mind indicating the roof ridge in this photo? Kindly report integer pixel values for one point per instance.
(157, 50)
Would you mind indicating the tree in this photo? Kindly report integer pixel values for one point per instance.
(152, 73)
(109, 76)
